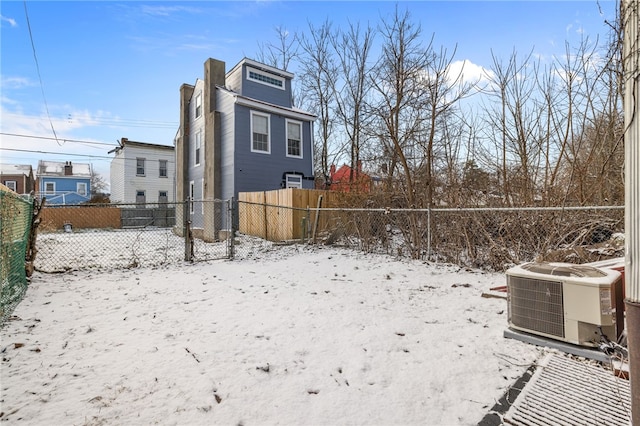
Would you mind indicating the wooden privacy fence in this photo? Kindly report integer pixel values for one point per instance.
(108, 216)
(283, 214)
(54, 218)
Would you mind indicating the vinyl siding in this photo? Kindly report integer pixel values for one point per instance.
(125, 182)
(196, 173)
(264, 172)
(226, 107)
(66, 188)
(238, 82)
(117, 179)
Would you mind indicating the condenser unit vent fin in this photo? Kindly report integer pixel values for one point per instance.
(564, 391)
(536, 305)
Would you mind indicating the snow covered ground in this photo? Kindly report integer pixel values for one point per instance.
(288, 335)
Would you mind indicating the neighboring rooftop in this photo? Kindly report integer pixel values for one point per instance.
(15, 169)
(58, 168)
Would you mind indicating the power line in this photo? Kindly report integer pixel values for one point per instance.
(56, 153)
(63, 141)
(33, 47)
(31, 151)
(129, 122)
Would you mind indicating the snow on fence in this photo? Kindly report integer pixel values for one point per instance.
(487, 238)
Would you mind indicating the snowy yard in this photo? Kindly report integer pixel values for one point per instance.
(291, 335)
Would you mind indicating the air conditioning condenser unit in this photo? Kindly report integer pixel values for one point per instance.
(572, 303)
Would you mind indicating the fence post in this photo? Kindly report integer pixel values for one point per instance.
(186, 230)
(232, 233)
(428, 232)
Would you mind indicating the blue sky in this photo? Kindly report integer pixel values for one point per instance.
(113, 69)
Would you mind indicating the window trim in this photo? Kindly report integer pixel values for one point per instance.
(83, 193)
(267, 76)
(47, 192)
(299, 123)
(143, 166)
(166, 195)
(268, 117)
(10, 183)
(297, 185)
(198, 107)
(160, 168)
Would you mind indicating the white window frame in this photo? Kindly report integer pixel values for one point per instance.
(299, 124)
(266, 77)
(12, 185)
(268, 117)
(198, 149)
(293, 181)
(192, 185)
(81, 188)
(165, 168)
(53, 188)
(166, 195)
(138, 160)
(198, 108)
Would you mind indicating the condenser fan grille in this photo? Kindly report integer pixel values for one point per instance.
(536, 305)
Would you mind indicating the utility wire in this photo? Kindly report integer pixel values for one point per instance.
(33, 46)
(63, 141)
(31, 151)
(113, 121)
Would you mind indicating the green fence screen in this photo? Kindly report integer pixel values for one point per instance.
(15, 224)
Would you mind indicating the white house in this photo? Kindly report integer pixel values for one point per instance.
(142, 173)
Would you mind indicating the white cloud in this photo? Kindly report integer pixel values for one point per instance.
(466, 72)
(15, 82)
(12, 22)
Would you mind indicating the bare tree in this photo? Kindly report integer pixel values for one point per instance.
(282, 52)
(401, 96)
(318, 75)
(514, 123)
(444, 90)
(353, 48)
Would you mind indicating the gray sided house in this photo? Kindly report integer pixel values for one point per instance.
(239, 132)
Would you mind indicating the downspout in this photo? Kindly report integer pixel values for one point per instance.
(631, 76)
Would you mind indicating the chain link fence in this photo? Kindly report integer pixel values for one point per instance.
(15, 225)
(126, 236)
(111, 236)
(487, 238)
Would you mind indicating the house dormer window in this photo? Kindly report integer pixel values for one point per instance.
(265, 78)
(198, 105)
